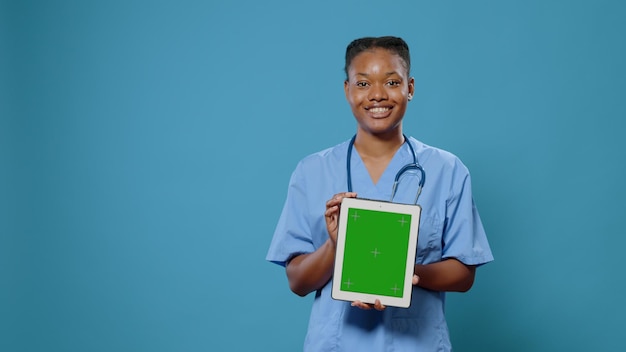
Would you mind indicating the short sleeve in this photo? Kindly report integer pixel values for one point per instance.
(464, 237)
(292, 235)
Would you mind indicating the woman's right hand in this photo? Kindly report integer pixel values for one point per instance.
(332, 213)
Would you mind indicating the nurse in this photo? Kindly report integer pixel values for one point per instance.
(452, 242)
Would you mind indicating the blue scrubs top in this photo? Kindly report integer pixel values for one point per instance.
(450, 227)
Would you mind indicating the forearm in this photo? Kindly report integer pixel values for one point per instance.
(447, 275)
(309, 272)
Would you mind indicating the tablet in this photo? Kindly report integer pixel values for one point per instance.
(376, 248)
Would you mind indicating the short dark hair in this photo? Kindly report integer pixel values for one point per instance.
(395, 45)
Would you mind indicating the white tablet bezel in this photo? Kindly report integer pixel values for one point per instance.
(382, 206)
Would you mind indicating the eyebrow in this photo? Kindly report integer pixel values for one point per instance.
(391, 73)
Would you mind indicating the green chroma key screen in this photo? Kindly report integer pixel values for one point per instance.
(375, 253)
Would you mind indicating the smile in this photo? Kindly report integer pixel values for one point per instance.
(379, 110)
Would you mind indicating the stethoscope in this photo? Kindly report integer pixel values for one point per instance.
(412, 166)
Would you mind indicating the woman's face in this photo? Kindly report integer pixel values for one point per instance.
(378, 90)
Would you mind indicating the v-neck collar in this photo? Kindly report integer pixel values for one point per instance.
(363, 184)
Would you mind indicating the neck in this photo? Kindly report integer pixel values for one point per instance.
(378, 146)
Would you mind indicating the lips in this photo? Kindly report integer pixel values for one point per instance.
(379, 111)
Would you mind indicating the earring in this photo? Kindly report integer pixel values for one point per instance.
(410, 97)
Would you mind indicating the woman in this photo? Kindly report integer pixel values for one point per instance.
(451, 244)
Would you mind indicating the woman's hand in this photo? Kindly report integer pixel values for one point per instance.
(367, 306)
(332, 213)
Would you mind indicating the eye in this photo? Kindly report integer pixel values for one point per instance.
(361, 84)
(393, 83)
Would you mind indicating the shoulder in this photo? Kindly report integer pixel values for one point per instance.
(328, 157)
(437, 157)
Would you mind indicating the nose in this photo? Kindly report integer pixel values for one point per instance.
(377, 93)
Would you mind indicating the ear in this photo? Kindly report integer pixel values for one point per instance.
(346, 86)
(411, 88)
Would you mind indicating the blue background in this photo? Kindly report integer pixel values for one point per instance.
(133, 136)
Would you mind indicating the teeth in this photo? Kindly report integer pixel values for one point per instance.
(378, 110)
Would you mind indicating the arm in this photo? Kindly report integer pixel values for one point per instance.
(309, 272)
(446, 275)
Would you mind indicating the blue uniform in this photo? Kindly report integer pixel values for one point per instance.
(450, 227)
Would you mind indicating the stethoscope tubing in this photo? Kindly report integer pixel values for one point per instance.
(412, 166)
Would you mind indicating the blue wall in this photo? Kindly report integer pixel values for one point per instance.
(132, 134)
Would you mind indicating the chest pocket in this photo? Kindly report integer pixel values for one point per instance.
(429, 241)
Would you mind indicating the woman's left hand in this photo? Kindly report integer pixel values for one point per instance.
(368, 306)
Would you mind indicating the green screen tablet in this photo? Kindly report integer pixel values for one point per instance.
(376, 248)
